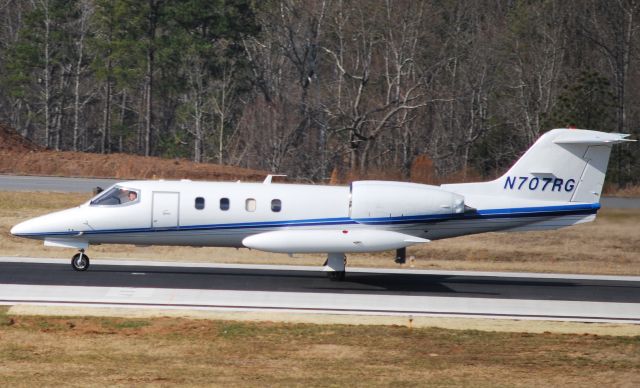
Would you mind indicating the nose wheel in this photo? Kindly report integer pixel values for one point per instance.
(80, 261)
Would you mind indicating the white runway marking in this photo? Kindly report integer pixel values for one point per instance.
(333, 303)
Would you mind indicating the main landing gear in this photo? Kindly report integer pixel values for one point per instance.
(335, 266)
(80, 261)
(401, 256)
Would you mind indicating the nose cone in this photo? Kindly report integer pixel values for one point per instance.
(57, 223)
(24, 228)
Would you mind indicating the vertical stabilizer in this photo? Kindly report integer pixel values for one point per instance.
(563, 165)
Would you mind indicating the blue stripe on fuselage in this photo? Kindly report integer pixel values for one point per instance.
(563, 210)
(490, 214)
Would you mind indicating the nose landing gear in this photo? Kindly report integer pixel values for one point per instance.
(80, 261)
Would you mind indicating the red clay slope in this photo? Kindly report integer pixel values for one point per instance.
(22, 157)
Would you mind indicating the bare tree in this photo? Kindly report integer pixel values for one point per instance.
(375, 56)
(612, 27)
(46, 72)
(80, 67)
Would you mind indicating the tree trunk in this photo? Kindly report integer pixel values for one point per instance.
(222, 118)
(123, 111)
(197, 144)
(76, 89)
(105, 142)
(60, 109)
(140, 118)
(151, 36)
(47, 81)
(148, 102)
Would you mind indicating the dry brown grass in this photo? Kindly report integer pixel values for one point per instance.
(168, 351)
(453, 323)
(610, 245)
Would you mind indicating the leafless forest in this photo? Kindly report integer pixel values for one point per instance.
(314, 88)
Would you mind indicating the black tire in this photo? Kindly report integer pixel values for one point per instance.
(336, 276)
(80, 264)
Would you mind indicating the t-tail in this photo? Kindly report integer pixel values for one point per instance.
(564, 170)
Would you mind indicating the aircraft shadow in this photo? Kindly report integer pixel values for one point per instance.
(311, 281)
(443, 284)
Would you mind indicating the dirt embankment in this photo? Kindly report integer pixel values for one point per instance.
(22, 157)
(12, 141)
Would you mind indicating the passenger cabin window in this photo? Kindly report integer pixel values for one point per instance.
(117, 196)
(199, 203)
(276, 205)
(250, 205)
(224, 204)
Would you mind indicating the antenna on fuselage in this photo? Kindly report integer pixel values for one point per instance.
(269, 178)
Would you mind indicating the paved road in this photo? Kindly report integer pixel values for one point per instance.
(305, 281)
(36, 183)
(621, 203)
(39, 183)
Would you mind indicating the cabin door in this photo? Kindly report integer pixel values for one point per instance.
(165, 210)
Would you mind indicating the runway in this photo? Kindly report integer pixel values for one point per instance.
(299, 289)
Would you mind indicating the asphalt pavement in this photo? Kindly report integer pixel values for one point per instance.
(306, 281)
(59, 184)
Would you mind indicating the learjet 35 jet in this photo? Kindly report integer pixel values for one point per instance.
(556, 183)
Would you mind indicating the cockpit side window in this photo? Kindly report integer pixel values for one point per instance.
(117, 196)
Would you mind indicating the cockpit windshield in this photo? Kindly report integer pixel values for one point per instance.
(117, 195)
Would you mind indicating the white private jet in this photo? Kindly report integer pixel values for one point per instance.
(556, 183)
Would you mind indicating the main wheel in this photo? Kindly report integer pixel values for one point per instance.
(336, 276)
(80, 261)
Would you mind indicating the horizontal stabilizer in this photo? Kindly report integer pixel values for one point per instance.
(330, 241)
(591, 138)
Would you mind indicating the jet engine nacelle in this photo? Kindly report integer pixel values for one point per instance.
(379, 199)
